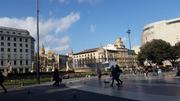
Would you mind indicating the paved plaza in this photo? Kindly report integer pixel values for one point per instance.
(92, 89)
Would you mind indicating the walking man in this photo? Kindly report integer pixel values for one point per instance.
(115, 73)
(56, 78)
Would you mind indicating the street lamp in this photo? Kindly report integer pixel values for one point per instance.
(128, 32)
(37, 15)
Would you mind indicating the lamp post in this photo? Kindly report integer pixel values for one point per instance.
(128, 32)
(37, 15)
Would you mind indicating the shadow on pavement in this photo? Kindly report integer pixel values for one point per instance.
(59, 93)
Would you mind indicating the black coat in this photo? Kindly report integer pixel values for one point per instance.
(2, 77)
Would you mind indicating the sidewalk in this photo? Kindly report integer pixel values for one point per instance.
(46, 92)
(90, 88)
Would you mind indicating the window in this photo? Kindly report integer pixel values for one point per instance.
(15, 62)
(2, 38)
(20, 50)
(8, 32)
(9, 49)
(148, 28)
(20, 39)
(14, 39)
(21, 62)
(26, 45)
(14, 44)
(15, 49)
(20, 44)
(26, 40)
(26, 62)
(9, 44)
(2, 43)
(14, 33)
(2, 63)
(8, 38)
(26, 50)
(2, 49)
(172, 22)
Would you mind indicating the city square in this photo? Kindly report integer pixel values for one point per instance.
(65, 50)
(90, 88)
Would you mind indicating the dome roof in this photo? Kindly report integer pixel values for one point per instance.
(119, 43)
(50, 52)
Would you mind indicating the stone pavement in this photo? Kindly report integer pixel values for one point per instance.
(89, 89)
(147, 89)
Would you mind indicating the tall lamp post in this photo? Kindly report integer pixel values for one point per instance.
(128, 32)
(37, 15)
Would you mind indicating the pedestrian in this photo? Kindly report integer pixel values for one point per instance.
(115, 73)
(146, 72)
(99, 74)
(2, 78)
(119, 72)
(56, 78)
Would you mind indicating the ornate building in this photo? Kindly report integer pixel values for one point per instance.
(108, 54)
(49, 61)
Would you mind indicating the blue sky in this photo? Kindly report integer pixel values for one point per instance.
(83, 24)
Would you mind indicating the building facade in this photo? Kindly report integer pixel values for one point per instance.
(167, 30)
(96, 57)
(50, 60)
(16, 50)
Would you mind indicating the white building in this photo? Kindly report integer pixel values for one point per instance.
(16, 50)
(167, 30)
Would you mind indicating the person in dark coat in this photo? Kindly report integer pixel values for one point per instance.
(115, 73)
(99, 73)
(2, 78)
(119, 71)
(56, 78)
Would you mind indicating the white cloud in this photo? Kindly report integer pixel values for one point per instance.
(56, 43)
(92, 28)
(49, 29)
(66, 22)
